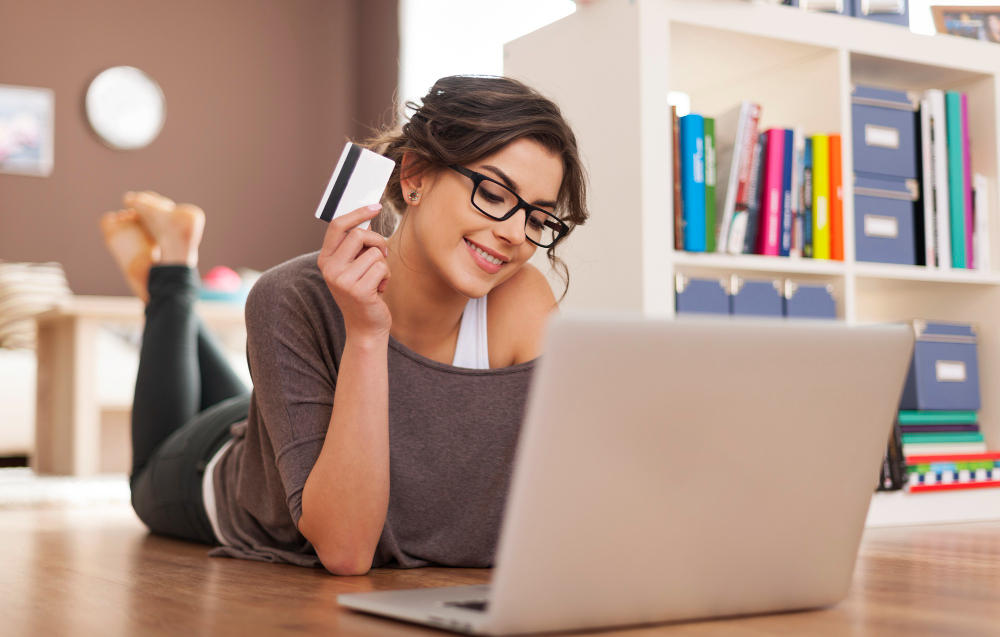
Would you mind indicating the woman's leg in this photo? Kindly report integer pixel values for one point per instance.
(218, 380)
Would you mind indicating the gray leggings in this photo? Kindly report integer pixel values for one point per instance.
(186, 398)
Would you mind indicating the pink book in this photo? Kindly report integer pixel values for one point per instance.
(769, 242)
(970, 257)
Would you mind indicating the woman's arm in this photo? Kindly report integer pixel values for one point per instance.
(346, 495)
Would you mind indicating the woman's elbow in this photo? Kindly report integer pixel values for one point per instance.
(343, 562)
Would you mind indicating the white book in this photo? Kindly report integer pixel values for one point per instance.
(942, 448)
(981, 232)
(939, 171)
(930, 210)
(798, 167)
(738, 232)
(729, 133)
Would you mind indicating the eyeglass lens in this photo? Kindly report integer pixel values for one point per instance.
(496, 201)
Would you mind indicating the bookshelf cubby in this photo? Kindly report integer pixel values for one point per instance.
(610, 66)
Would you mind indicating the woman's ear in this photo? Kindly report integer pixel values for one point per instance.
(412, 183)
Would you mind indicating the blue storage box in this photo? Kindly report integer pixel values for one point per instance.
(884, 212)
(944, 373)
(809, 301)
(884, 131)
(757, 298)
(889, 11)
(702, 296)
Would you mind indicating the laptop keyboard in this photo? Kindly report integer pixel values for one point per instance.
(470, 604)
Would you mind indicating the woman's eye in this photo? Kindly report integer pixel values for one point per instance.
(538, 224)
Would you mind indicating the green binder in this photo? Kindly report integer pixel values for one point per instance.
(710, 179)
(937, 417)
(956, 177)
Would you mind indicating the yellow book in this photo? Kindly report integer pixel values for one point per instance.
(821, 196)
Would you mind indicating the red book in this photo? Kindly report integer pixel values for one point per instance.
(678, 201)
(953, 457)
(746, 158)
(773, 192)
(836, 199)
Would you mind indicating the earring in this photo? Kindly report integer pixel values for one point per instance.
(413, 196)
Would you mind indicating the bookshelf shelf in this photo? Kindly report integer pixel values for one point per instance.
(617, 61)
(899, 508)
(747, 263)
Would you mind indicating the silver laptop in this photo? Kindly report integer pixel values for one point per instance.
(674, 470)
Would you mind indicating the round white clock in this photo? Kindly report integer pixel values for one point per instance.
(125, 108)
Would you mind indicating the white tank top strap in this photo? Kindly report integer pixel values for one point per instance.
(472, 350)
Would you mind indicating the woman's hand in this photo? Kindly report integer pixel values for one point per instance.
(353, 264)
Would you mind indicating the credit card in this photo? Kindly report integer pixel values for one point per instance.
(359, 180)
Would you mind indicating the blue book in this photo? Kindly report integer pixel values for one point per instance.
(693, 181)
(807, 197)
(785, 247)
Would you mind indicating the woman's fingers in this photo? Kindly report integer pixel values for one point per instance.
(342, 226)
(351, 277)
(355, 242)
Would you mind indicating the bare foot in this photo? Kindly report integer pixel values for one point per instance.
(176, 228)
(132, 248)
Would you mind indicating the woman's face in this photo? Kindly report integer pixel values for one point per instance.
(449, 229)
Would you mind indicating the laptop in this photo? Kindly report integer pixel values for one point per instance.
(680, 470)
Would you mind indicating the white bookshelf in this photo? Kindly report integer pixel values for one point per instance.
(610, 66)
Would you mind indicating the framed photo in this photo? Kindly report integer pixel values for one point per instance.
(27, 118)
(976, 22)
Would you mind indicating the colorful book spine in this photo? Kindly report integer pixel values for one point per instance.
(754, 191)
(939, 172)
(772, 195)
(807, 199)
(798, 170)
(970, 251)
(956, 180)
(908, 417)
(693, 181)
(932, 437)
(678, 201)
(821, 197)
(927, 429)
(710, 185)
(836, 199)
(787, 188)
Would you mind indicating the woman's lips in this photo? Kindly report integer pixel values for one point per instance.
(481, 261)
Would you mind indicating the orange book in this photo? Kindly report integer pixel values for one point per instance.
(836, 200)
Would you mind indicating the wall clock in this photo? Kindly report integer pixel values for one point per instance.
(125, 107)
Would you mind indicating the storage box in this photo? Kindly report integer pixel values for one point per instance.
(808, 301)
(702, 296)
(756, 298)
(944, 373)
(889, 11)
(884, 132)
(843, 7)
(884, 212)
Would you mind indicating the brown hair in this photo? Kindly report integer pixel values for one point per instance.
(464, 118)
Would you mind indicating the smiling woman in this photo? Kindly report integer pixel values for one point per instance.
(390, 373)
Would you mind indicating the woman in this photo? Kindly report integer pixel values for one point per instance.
(390, 375)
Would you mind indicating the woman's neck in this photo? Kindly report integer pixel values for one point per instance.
(426, 311)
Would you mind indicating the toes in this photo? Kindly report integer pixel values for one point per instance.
(148, 201)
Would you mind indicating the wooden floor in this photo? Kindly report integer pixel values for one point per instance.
(97, 572)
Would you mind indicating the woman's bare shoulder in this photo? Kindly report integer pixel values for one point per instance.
(517, 312)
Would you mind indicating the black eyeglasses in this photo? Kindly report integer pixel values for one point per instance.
(499, 202)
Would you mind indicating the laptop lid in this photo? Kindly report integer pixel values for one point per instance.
(673, 470)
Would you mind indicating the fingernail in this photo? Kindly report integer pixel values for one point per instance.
(375, 207)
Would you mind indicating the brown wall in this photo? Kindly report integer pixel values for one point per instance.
(260, 95)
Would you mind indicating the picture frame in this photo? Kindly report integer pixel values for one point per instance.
(975, 22)
(27, 122)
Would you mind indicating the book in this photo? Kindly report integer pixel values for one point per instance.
(711, 231)
(836, 199)
(693, 181)
(981, 209)
(991, 457)
(772, 193)
(821, 197)
(754, 190)
(787, 186)
(730, 140)
(933, 437)
(678, 203)
(970, 253)
(916, 429)
(956, 180)
(944, 448)
(908, 417)
(939, 178)
(807, 199)
(799, 150)
(926, 177)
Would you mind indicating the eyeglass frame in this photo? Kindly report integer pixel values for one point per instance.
(477, 178)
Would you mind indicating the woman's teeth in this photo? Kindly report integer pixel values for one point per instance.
(491, 259)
